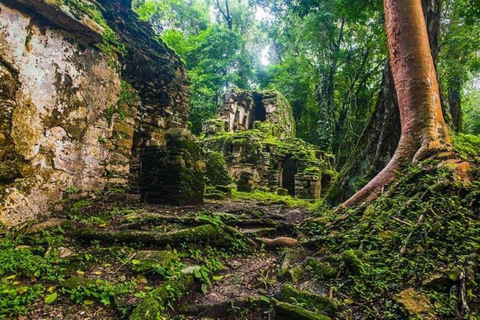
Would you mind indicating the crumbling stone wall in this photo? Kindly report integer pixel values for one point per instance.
(84, 89)
(262, 150)
(174, 174)
(241, 109)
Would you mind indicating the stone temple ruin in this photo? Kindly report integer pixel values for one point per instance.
(255, 132)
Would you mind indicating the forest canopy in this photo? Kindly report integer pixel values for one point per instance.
(326, 57)
(239, 159)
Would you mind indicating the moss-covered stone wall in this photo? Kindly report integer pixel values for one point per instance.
(263, 155)
(85, 87)
(242, 109)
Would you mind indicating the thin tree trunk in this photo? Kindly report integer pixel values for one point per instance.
(423, 126)
(326, 96)
(455, 105)
(376, 145)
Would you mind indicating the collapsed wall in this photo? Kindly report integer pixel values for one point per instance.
(266, 149)
(242, 108)
(84, 89)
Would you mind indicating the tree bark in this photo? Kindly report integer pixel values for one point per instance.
(376, 145)
(379, 140)
(423, 127)
(455, 104)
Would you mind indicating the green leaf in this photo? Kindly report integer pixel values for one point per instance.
(51, 298)
(197, 274)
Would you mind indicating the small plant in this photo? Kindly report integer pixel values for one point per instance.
(71, 190)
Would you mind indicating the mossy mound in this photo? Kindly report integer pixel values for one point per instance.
(174, 174)
(217, 170)
(422, 234)
(310, 301)
(263, 152)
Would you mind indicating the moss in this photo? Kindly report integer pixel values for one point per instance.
(352, 261)
(296, 273)
(155, 306)
(384, 248)
(269, 198)
(213, 126)
(290, 311)
(225, 189)
(217, 170)
(208, 233)
(416, 304)
(256, 142)
(150, 261)
(111, 43)
(308, 300)
(321, 270)
(215, 195)
(282, 192)
(174, 174)
(245, 182)
(467, 145)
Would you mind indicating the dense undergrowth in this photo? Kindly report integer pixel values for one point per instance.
(35, 270)
(414, 250)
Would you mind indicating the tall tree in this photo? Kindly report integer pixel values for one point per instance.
(423, 125)
(226, 13)
(379, 140)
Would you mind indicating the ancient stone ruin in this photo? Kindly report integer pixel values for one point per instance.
(85, 93)
(255, 131)
(241, 109)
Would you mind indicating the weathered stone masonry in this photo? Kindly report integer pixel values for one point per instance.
(84, 89)
(255, 132)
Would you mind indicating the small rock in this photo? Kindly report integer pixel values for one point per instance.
(64, 252)
(415, 303)
(23, 247)
(234, 264)
(150, 260)
(190, 270)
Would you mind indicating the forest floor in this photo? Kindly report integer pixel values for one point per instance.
(101, 259)
(412, 253)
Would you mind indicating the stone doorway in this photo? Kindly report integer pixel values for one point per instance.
(289, 170)
(259, 112)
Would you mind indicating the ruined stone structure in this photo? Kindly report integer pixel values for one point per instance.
(267, 149)
(84, 90)
(241, 109)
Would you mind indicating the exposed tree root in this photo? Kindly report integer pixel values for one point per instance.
(420, 221)
(289, 311)
(211, 234)
(423, 126)
(50, 224)
(153, 219)
(279, 242)
(154, 306)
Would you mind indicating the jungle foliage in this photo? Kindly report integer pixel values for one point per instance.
(326, 57)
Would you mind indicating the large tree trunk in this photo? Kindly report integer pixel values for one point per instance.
(376, 145)
(379, 141)
(413, 69)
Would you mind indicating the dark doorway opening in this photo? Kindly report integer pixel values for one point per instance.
(326, 183)
(259, 113)
(288, 175)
